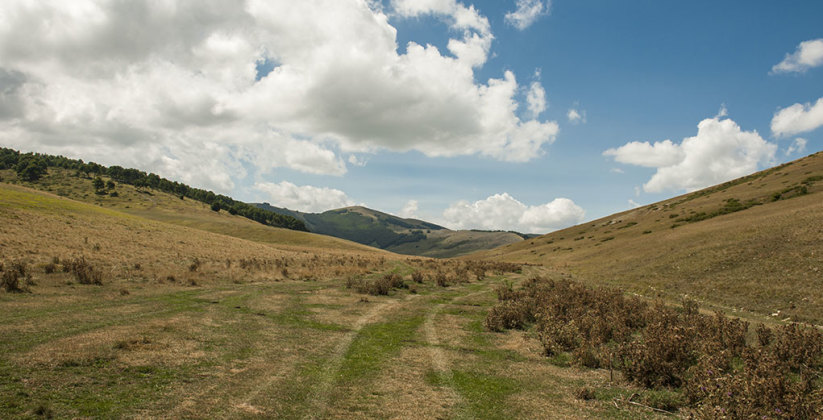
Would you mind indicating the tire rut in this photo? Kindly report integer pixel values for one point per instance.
(319, 400)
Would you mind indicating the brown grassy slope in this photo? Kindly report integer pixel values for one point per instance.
(164, 207)
(765, 258)
(37, 226)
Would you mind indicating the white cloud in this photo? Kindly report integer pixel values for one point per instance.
(536, 99)
(809, 54)
(798, 118)
(616, 171)
(662, 153)
(576, 116)
(173, 86)
(797, 146)
(410, 209)
(304, 198)
(634, 204)
(504, 212)
(527, 13)
(719, 152)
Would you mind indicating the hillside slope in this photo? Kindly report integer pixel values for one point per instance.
(396, 234)
(156, 205)
(752, 244)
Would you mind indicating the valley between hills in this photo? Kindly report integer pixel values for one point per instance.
(123, 299)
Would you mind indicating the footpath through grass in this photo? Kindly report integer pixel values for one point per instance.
(293, 349)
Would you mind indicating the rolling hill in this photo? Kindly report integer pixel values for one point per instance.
(754, 244)
(151, 204)
(396, 234)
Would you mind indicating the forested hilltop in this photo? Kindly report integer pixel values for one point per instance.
(31, 166)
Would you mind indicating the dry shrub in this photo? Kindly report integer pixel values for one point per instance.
(662, 355)
(764, 335)
(764, 387)
(799, 347)
(461, 275)
(508, 314)
(584, 393)
(441, 279)
(378, 286)
(703, 360)
(195, 265)
(84, 272)
(50, 268)
(417, 277)
(13, 274)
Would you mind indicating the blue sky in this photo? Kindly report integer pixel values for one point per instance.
(346, 117)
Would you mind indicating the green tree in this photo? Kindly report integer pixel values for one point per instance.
(98, 184)
(110, 185)
(30, 168)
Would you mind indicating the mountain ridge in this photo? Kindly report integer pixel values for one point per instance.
(396, 234)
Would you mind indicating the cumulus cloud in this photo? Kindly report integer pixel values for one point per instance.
(798, 118)
(659, 154)
(720, 151)
(809, 54)
(576, 116)
(504, 212)
(410, 209)
(797, 146)
(167, 86)
(527, 13)
(305, 198)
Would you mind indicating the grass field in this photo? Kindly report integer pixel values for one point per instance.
(189, 323)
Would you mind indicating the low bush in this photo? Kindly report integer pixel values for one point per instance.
(698, 362)
(12, 275)
(441, 279)
(378, 286)
(50, 268)
(84, 272)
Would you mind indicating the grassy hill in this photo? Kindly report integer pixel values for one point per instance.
(396, 234)
(754, 244)
(156, 205)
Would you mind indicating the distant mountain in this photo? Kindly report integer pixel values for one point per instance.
(396, 234)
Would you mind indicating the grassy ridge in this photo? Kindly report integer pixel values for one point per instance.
(396, 234)
(31, 167)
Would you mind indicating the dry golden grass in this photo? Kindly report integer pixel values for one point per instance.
(754, 262)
